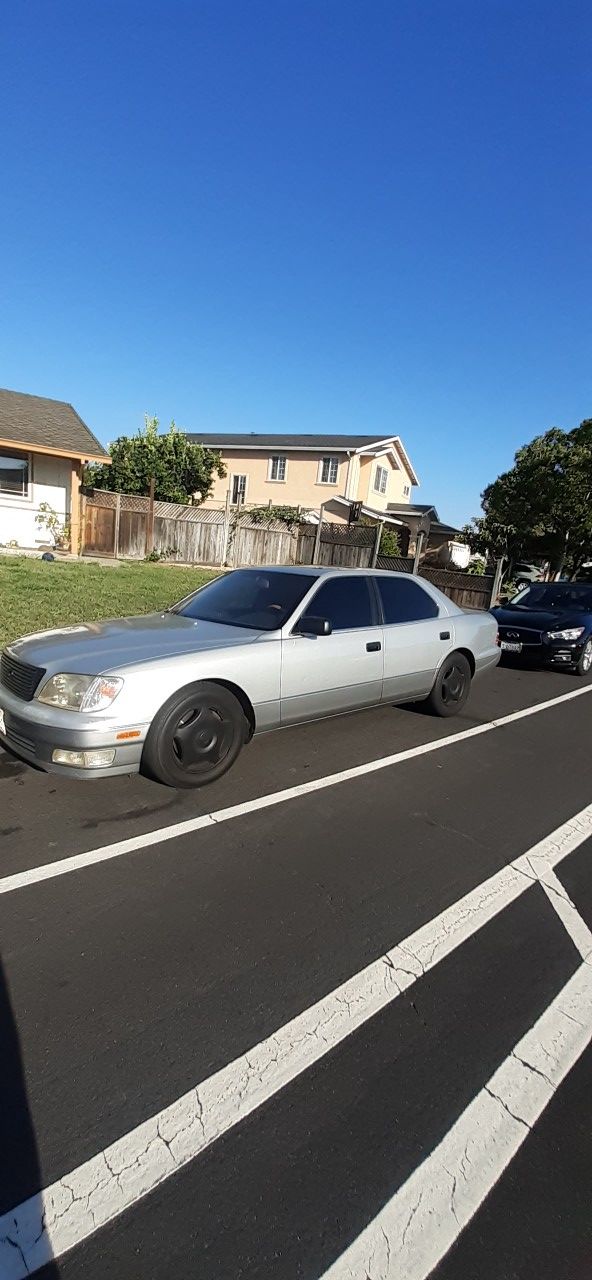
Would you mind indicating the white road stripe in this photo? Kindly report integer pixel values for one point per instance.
(417, 1227)
(78, 861)
(112, 1181)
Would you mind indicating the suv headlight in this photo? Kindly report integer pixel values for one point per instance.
(80, 693)
(570, 633)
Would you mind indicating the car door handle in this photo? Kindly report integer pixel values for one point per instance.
(445, 635)
(373, 646)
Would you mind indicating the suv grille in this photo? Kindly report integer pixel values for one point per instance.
(18, 677)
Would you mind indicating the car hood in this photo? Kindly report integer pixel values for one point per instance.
(94, 647)
(541, 619)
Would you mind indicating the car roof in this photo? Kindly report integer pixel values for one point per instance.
(319, 570)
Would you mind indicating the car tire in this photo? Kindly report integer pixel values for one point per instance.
(451, 687)
(195, 737)
(584, 666)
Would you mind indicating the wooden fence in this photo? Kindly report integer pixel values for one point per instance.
(120, 525)
(125, 526)
(469, 590)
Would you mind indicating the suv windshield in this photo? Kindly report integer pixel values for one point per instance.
(260, 599)
(555, 595)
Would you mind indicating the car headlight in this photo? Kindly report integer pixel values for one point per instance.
(80, 693)
(570, 633)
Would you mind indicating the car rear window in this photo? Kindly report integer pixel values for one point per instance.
(403, 600)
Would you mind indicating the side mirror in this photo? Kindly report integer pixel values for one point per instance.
(504, 600)
(312, 626)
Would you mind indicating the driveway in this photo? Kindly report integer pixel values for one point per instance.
(328, 1017)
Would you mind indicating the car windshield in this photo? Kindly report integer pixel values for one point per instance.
(555, 595)
(260, 599)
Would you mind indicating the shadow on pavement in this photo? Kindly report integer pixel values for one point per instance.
(20, 1170)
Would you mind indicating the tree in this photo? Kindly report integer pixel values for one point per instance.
(180, 469)
(543, 505)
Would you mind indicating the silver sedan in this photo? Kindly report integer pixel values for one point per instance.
(177, 694)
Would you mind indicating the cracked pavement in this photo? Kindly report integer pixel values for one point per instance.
(240, 1045)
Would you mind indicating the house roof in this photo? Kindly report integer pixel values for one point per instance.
(304, 443)
(52, 426)
(414, 509)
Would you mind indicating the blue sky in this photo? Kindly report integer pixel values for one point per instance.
(316, 215)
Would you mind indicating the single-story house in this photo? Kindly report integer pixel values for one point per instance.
(43, 447)
(308, 471)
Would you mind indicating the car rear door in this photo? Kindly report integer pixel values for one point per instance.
(325, 675)
(416, 637)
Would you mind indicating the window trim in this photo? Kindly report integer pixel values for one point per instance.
(237, 475)
(330, 458)
(5, 495)
(375, 603)
(380, 471)
(279, 457)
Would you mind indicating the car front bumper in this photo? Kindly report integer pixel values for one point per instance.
(554, 653)
(34, 731)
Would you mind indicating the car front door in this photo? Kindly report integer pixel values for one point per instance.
(323, 675)
(416, 637)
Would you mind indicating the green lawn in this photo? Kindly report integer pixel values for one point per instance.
(36, 594)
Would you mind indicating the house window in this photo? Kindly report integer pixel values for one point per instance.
(14, 474)
(380, 479)
(329, 471)
(277, 467)
(239, 488)
(406, 491)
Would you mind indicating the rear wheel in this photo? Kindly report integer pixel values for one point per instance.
(195, 737)
(452, 686)
(584, 666)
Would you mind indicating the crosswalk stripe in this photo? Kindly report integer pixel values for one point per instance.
(50, 1223)
(417, 1227)
(147, 839)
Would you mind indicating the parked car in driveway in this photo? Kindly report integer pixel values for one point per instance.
(549, 622)
(523, 573)
(177, 694)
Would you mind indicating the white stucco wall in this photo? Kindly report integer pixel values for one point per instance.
(49, 481)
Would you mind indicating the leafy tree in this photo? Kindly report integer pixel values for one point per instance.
(543, 505)
(389, 543)
(180, 469)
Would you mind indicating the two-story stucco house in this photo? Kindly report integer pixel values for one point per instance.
(311, 470)
(43, 446)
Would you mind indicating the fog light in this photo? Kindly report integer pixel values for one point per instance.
(84, 759)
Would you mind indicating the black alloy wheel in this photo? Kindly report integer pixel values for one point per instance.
(196, 737)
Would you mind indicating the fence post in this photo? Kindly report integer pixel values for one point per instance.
(226, 528)
(117, 521)
(375, 549)
(319, 530)
(497, 581)
(419, 541)
(150, 521)
(237, 515)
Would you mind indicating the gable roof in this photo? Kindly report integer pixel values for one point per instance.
(51, 425)
(303, 443)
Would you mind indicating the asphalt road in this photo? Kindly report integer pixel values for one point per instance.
(224, 1023)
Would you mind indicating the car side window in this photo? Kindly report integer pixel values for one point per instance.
(403, 600)
(346, 602)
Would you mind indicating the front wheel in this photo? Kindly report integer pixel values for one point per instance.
(452, 686)
(584, 666)
(195, 737)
